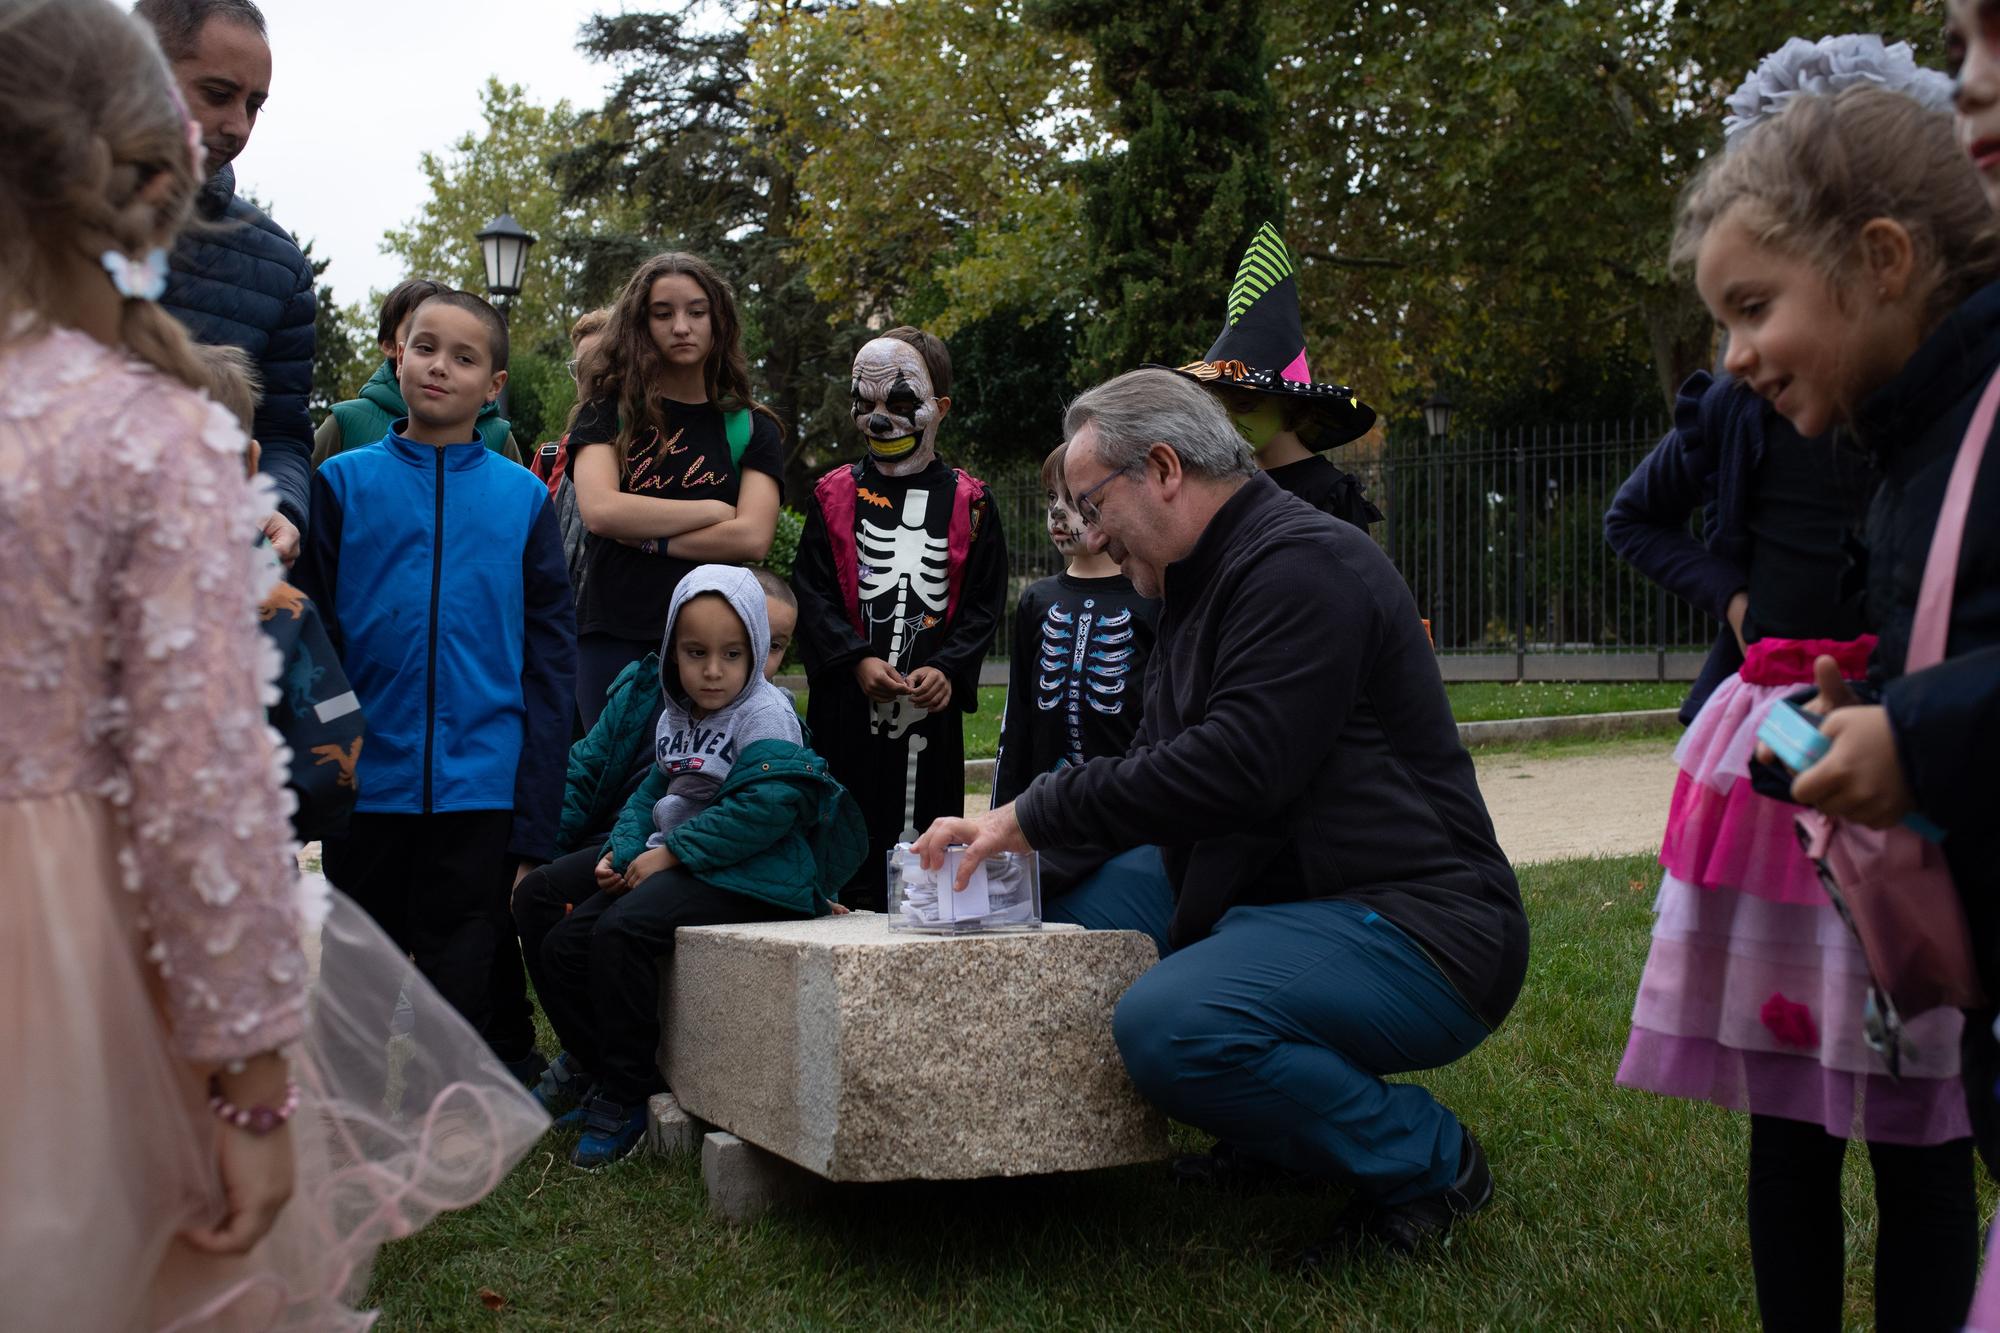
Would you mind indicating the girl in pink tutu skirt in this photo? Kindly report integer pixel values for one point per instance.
(1752, 995)
(198, 1132)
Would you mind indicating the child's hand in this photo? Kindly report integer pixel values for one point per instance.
(1833, 695)
(609, 880)
(284, 538)
(838, 910)
(878, 680)
(1859, 777)
(647, 864)
(930, 689)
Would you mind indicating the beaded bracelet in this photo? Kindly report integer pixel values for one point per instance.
(255, 1120)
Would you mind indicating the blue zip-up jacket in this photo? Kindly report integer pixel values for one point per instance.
(441, 574)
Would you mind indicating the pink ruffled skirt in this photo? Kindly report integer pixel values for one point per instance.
(1753, 989)
(107, 1146)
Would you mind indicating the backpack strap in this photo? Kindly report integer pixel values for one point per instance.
(736, 429)
(1933, 618)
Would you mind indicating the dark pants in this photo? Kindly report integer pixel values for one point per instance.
(1926, 1246)
(437, 885)
(599, 659)
(1274, 1032)
(545, 897)
(597, 975)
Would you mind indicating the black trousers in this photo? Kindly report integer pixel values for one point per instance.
(437, 885)
(596, 971)
(1926, 1244)
(599, 659)
(547, 895)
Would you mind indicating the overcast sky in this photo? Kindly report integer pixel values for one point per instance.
(360, 88)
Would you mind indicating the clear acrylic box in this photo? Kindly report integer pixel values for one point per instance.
(1005, 893)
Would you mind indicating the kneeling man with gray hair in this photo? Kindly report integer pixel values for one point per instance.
(1306, 841)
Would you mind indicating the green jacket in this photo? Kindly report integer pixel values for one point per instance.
(366, 419)
(780, 829)
(600, 763)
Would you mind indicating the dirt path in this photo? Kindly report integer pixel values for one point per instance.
(1593, 803)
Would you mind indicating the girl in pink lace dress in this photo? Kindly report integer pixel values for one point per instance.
(209, 1121)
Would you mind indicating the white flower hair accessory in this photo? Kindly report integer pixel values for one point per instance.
(1826, 67)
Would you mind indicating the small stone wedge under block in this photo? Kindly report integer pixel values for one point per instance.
(670, 1130)
(744, 1182)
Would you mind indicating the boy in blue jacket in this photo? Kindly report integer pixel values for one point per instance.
(439, 568)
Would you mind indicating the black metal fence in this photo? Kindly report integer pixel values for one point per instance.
(1500, 536)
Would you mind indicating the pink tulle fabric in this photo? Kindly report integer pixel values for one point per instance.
(152, 917)
(1737, 837)
(1752, 995)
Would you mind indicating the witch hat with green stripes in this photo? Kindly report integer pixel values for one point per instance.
(1263, 347)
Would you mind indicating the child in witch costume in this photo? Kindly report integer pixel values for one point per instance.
(901, 577)
(1257, 369)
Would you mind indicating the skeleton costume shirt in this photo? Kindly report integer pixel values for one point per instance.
(1076, 686)
(909, 568)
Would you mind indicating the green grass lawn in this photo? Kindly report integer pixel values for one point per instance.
(1471, 701)
(1615, 1210)
(1486, 701)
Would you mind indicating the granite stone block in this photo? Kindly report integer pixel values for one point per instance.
(865, 1054)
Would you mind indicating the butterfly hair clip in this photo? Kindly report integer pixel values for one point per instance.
(137, 279)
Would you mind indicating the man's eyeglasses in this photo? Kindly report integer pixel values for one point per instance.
(571, 366)
(1086, 505)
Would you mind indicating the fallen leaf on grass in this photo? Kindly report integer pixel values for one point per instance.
(492, 1299)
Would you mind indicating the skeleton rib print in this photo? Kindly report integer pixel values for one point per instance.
(1084, 662)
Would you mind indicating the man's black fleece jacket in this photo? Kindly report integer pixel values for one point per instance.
(1297, 744)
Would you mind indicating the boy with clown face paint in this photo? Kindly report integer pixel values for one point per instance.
(901, 578)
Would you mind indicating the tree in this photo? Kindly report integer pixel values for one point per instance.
(1167, 216)
(344, 353)
(507, 169)
(1484, 194)
(931, 138)
(712, 174)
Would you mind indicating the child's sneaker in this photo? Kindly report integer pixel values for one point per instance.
(612, 1131)
(528, 1069)
(561, 1089)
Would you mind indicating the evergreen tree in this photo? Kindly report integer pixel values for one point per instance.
(711, 174)
(1166, 219)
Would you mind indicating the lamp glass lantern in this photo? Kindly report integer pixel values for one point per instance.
(504, 244)
(1437, 415)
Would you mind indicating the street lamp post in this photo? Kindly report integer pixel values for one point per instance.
(1437, 425)
(504, 245)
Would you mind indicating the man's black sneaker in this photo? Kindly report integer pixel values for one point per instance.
(1407, 1228)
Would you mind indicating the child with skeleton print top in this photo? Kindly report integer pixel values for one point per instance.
(1077, 683)
(901, 578)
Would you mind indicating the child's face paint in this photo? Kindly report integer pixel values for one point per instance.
(1260, 422)
(1065, 526)
(1972, 56)
(894, 406)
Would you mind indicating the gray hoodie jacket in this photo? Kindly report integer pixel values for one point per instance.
(697, 753)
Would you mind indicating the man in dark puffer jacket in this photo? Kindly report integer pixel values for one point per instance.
(242, 281)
